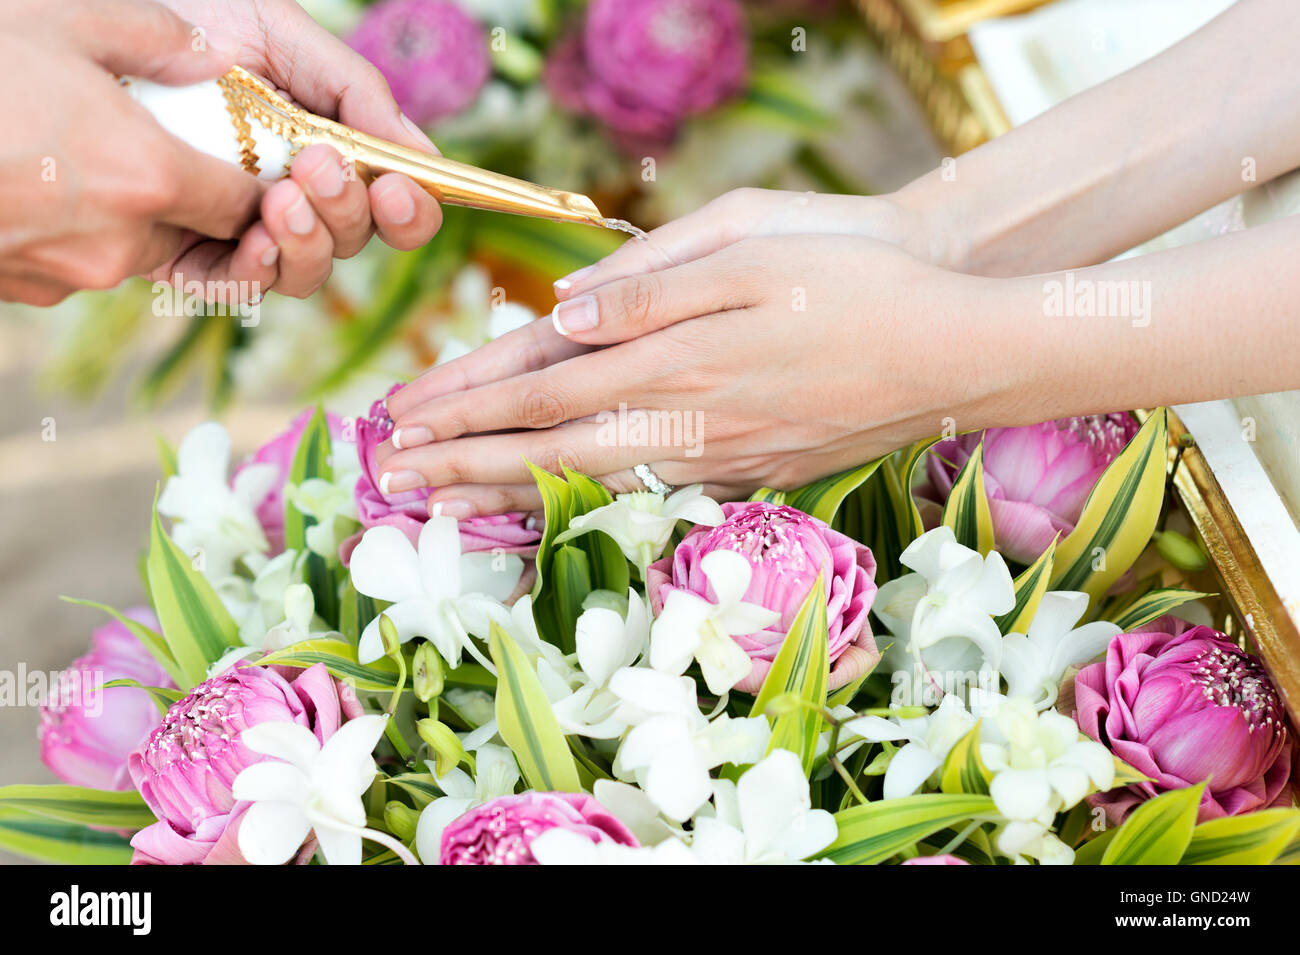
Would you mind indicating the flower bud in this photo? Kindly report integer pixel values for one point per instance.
(1181, 551)
(401, 820)
(427, 672)
(443, 743)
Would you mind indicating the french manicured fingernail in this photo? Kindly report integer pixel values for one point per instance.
(327, 179)
(455, 508)
(299, 217)
(397, 205)
(411, 437)
(395, 482)
(573, 278)
(270, 256)
(575, 315)
(418, 132)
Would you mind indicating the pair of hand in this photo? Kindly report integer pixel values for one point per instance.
(93, 190)
(766, 355)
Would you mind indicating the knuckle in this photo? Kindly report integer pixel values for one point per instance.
(561, 454)
(540, 407)
(455, 470)
(637, 298)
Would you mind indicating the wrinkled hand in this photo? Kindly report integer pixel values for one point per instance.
(779, 359)
(93, 191)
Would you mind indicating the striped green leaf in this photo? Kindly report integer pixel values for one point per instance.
(1119, 516)
(801, 668)
(421, 787)
(153, 642)
(1159, 830)
(963, 769)
(163, 696)
(608, 566)
(1126, 775)
(967, 510)
(526, 721)
(912, 460)
(79, 804)
(311, 459)
(340, 659)
(48, 840)
(1254, 839)
(1030, 587)
(821, 499)
(195, 623)
(875, 831)
(1151, 605)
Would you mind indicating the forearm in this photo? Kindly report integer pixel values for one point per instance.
(1216, 319)
(1129, 159)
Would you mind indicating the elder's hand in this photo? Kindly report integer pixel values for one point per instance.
(772, 361)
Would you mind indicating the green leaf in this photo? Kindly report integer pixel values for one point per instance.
(421, 787)
(801, 668)
(1126, 775)
(549, 248)
(153, 642)
(1030, 587)
(1154, 604)
(967, 510)
(48, 840)
(340, 659)
(963, 769)
(163, 696)
(526, 722)
(915, 456)
(79, 804)
(166, 456)
(1158, 831)
(1254, 839)
(1091, 852)
(311, 459)
(821, 499)
(571, 582)
(195, 624)
(872, 833)
(356, 611)
(1119, 516)
(608, 566)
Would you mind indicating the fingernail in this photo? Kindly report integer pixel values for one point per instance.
(397, 205)
(417, 131)
(395, 482)
(456, 508)
(573, 278)
(327, 179)
(270, 256)
(411, 437)
(576, 315)
(299, 216)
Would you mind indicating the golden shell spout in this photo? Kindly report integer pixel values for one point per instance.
(263, 131)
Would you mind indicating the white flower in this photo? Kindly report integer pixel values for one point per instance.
(215, 521)
(333, 506)
(946, 607)
(606, 644)
(691, 627)
(478, 317)
(641, 523)
(672, 747)
(496, 774)
(928, 739)
(1034, 664)
(309, 788)
(766, 818)
(437, 593)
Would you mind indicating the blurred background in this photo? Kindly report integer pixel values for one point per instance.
(856, 96)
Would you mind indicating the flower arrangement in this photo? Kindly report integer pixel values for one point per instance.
(329, 674)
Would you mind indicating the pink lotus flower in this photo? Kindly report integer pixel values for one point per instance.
(1184, 706)
(279, 452)
(786, 549)
(409, 510)
(642, 66)
(1037, 478)
(935, 860)
(88, 731)
(186, 768)
(434, 56)
(501, 832)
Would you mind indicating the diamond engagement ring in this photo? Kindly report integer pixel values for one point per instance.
(651, 480)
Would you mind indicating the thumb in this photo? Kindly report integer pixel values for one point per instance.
(145, 39)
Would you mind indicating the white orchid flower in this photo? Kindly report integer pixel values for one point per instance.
(689, 627)
(765, 819)
(670, 751)
(943, 614)
(606, 643)
(928, 741)
(436, 592)
(333, 506)
(1034, 664)
(309, 788)
(496, 775)
(214, 522)
(642, 522)
(478, 317)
